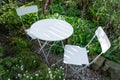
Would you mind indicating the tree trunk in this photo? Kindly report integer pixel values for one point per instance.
(84, 3)
(45, 8)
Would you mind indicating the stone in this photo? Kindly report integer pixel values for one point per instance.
(113, 68)
(98, 63)
(106, 67)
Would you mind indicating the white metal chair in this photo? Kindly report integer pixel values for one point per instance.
(76, 55)
(27, 10)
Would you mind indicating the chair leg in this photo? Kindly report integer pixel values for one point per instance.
(50, 49)
(42, 46)
(83, 68)
(62, 44)
(66, 71)
(39, 45)
(57, 62)
(41, 49)
(76, 72)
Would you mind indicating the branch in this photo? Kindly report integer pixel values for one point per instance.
(84, 7)
(47, 3)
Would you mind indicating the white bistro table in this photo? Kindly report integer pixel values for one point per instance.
(51, 30)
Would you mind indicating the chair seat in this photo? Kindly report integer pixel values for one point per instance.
(29, 33)
(75, 55)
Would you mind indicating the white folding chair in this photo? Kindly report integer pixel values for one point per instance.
(76, 55)
(27, 10)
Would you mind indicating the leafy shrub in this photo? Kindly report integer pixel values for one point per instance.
(1, 50)
(27, 66)
(57, 8)
(11, 20)
(18, 44)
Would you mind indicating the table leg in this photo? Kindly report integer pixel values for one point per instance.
(41, 49)
(40, 46)
(62, 44)
(50, 49)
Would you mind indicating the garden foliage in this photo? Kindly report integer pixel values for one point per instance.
(25, 65)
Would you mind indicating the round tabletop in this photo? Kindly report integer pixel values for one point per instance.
(51, 29)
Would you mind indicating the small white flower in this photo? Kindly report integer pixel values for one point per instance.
(59, 77)
(60, 67)
(34, 61)
(8, 78)
(49, 72)
(48, 69)
(26, 71)
(19, 75)
(36, 75)
(23, 74)
(27, 76)
(20, 60)
(51, 76)
(21, 67)
(31, 77)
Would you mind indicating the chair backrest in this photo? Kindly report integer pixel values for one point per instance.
(104, 43)
(27, 10)
(103, 39)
